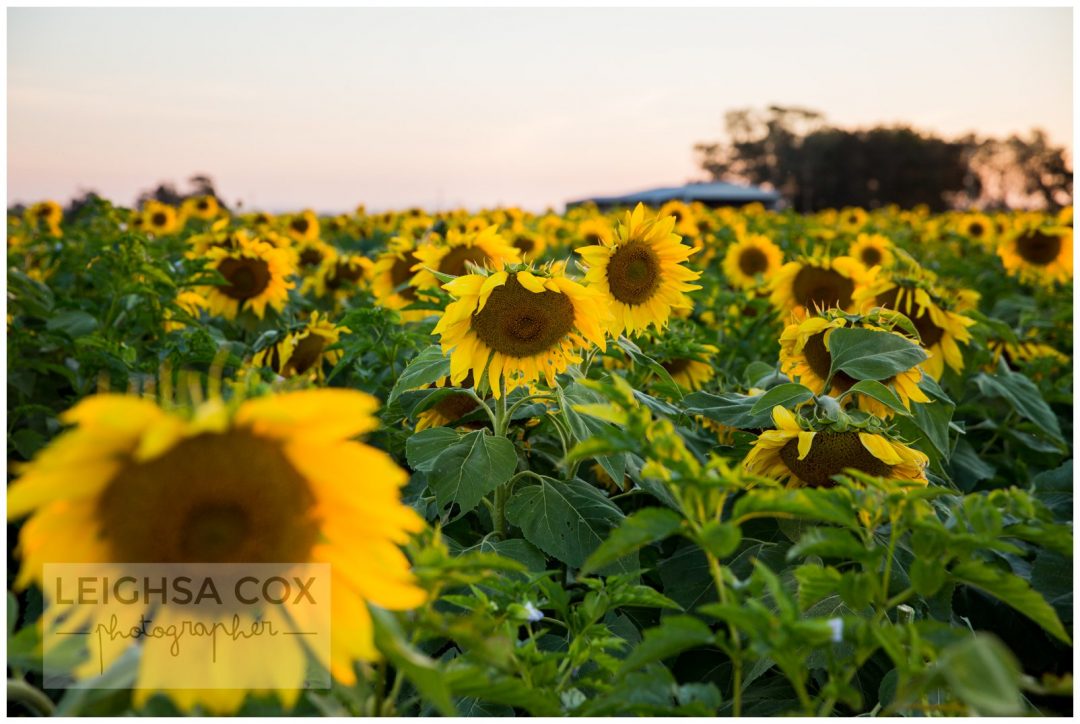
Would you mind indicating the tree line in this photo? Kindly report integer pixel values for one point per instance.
(817, 165)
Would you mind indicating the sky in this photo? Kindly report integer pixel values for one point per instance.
(287, 109)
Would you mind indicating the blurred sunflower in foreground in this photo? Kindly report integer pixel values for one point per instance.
(269, 480)
(806, 456)
(642, 271)
(518, 325)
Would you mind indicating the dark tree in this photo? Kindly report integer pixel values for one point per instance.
(816, 165)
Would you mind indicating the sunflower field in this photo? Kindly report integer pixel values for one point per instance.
(674, 461)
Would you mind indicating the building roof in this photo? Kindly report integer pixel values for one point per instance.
(716, 192)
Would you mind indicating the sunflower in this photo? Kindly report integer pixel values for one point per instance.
(872, 250)
(817, 282)
(685, 218)
(750, 260)
(978, 227)
(303, 226)
(805, 357)
(271, 480)
(517, 326)
(204, 207)
(692, 372)
(1038, 254)
(450, 408)
(641, 272)
(339, 275)
(256, 275)
(1025, 352)
(812, 458)
(189, 302)
(484, 249)
(532, 246)
(852, 220)
(595, 231)
(936, 314)
(304, 352)
(311, 253)
(391, 278)
(159, 218)
(47, 215)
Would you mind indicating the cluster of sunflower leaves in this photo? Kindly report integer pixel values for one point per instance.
(597, 546)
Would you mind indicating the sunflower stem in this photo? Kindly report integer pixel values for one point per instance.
(502, 493)
(30, 697)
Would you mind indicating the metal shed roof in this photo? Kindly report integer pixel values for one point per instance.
(712, 192)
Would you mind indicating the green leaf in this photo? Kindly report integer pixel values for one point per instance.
(984, 675)
(1024, 397)
(881, 393)
(73, 322)
(422, 671)
(674, 635)
(427, 367)
(720, 539)
(567, 520)
(471, 468)
(828, 543)
(788, 395)
(927, 576)
(816, 583)
(866, 354)
(422, 449)
(928, 426)
(1014, 591)
(729, 409)
(830, 505)
(584, 427)
(638, 530)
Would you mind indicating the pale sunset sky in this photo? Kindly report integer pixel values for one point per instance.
(326, 109)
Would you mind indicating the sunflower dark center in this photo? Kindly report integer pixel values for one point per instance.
(633, 273)
(454, 261)
(830, 454)
(300, 226)
(815, 287)
(752, 261)
(593, 238)
(159, 218)
(929, 333)
(976, 230)
(871, 256)
(1037, 247)
(214, 498)
(519, 323)
(306, 354)
(246, 277)
(820, 361)
(455, 406)
(311, 257)
(203, 205)
(343, 273)
(675, 366)
(401, 272)
(524, 244)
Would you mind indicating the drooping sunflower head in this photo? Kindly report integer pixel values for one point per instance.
(203, 207)
(817, 282)
(392, 275)
(797, 452)
(693, 369)
(752, 261)
(450, 407)
(935, 312)
(516, 325)
(1038, 254)
(805, 357)
(303, 226)
(256, 276)
(276, 480)
(461, 253)
(159, 218)
(872, 250)
(304, 352)
(642, 272)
